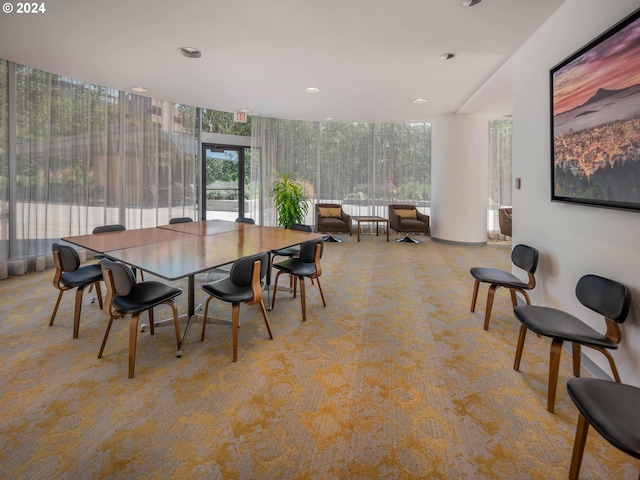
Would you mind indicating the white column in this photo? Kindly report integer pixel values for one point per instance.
(459, 178)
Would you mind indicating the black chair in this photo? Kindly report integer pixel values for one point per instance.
(291, 251)
(175, 220)
(245, 220)
(243, 285)
(606, 297)
(612, 409)
(69, 275)
(127, 297)
(523, 257)
(307, 264)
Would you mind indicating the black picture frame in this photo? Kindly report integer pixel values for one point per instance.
(595, 121)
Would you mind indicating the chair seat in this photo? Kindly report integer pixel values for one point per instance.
(82, 276)
(295, 266)
(224, 289)
(144, 296)
(413, 225)
(611, 408)
(496, 276)
(286, 252)
(337, 223)
(554, 323)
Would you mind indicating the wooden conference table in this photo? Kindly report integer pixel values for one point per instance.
(183, 250)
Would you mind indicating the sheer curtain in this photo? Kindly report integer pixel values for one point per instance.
(4, 170)
(85, 156)
(364, 167)
(499, 173)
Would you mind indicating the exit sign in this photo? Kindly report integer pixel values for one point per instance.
(241, 117)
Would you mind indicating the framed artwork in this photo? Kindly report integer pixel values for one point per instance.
(595, 121)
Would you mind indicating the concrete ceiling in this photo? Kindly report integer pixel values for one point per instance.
(369, 58)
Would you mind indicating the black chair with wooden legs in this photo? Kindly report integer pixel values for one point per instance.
(522, 256)
(307, 264)
(243, 285)
(127, 297)
(611, 409)
(175, 220)
(69, 275)
(606, 297)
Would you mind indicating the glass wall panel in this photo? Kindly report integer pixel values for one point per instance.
(499, 173)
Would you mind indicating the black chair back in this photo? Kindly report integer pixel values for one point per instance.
(300, 227)
(123, 278)
(308, 250)
(109, 228)
(245, 220)
(180, 220)
(525, 257)
(605, 296)
(69, 259)
(242, 270)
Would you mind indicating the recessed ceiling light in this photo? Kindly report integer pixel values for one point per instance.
(411, 120)
(311, 90)
(447, 56)
(244, 110)
(328, 119)
(139, 89)
(190, 52)
(420, 100)
(469, 3)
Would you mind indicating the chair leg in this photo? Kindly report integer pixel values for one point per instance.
(521, 337)
(474, 296)
(98, 293)
(133, 340)
(578, 447)
(152, 322)
(106, 335)
(612, 364)
(235, 315)
(303, 302)
(176, 325)
(321, 293)
(554, 367)
(275, 289)
(55, 309)
(77, 311)
(204, 319)
(266, 319)
(487, 313)
(575, 348)
(514, 299)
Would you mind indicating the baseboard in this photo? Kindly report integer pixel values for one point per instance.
(463, 244)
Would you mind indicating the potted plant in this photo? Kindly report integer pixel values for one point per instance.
(291, 202)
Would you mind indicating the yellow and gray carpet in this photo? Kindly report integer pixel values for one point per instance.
(393, 379)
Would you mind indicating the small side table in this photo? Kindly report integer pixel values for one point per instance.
(371, 219)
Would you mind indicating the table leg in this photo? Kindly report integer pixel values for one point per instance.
(377, 228)
(359, 230)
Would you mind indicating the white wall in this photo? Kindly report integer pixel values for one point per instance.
(573, 240)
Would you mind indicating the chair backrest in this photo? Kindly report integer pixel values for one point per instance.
(242, 269)
(308, 250)
(121, 276)
(175, 220)
(69, 259)
(525, 257)
(109, 228)
(300, 227)
(245, 220)
(607, 297)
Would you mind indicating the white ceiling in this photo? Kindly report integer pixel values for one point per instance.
(369, 58)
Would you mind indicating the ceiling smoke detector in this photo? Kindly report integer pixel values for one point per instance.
(470, 3)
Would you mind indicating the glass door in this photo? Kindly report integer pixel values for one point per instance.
(224, 190)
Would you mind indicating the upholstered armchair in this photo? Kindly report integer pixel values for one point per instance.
(504, 219)
(331, 218)
(407, 219)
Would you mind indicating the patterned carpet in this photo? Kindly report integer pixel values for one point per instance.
(393, 379)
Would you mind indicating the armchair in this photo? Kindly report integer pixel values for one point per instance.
(505, 215)
(407, 219)
(331, 218)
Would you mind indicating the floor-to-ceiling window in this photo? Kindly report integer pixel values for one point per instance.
(499, 173)
(86, 155)
(362, 166)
